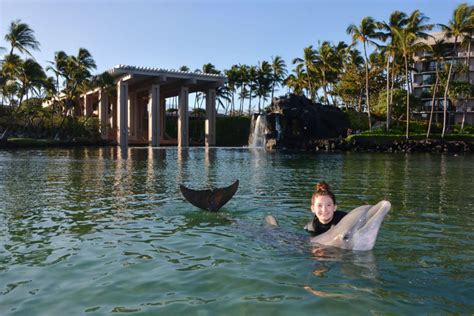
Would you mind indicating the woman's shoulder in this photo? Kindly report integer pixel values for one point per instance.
(338, 215)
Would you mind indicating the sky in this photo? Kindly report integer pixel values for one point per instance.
(171, 33)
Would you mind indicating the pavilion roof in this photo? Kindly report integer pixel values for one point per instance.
(120, 70)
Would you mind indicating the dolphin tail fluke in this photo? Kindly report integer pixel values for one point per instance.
(210, 200)
(271, 220)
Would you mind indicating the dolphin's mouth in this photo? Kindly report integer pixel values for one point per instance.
(374, 216)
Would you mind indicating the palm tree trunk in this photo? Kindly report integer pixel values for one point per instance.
(408, 98)
(388, 93)
(464, 111)
(310, 85)
(468, 62)
(392, 86)
(273, 89)
(367, 101)
(445, 101)
(433, 104)
(250, 101)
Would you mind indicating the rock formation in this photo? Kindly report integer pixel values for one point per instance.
(294, 122)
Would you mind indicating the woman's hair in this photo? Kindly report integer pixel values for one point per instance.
(322, 189)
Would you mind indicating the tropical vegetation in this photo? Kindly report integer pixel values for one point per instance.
(377, 81)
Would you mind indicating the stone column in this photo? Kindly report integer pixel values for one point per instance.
(87, 105)
(183, 118)
(122, 120)
(162, 125)
(103, 113)
(210, 124)
(132, 115)
(154, 117)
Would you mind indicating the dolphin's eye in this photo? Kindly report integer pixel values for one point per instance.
(346, 237)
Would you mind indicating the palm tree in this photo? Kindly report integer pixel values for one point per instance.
(75, 72)
(349, 87)
(264, 81)
(279, 72)
(325, 65)
(251, 82)
(307, 62)
(232, 75)
(242, 81)
(406, 41)
(341, 54)
(210, 69)
(397, 19)
(21, 37)
(31, 76)
(439, 52)
(11, 66)
(460, 25)
(364, 34)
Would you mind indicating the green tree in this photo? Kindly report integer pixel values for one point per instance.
(460, 25)
(397, 19)
(325, 64)
(406, 39)
(21, 37)
(279, 72)
(439, 52)
(350, 85)
(460, 92)
(232, 75)
(264, 81)
(364, 33)
(31, 77)
(308, 65)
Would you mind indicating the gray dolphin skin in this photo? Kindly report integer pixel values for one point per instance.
(211, 199)
(357, 230)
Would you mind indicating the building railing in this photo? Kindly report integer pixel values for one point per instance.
(465, 54)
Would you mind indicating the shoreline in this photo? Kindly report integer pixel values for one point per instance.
(395, 146)
(365, 144)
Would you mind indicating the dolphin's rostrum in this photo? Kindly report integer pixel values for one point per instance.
(211, 199)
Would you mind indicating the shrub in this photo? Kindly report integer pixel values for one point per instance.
(356, 120)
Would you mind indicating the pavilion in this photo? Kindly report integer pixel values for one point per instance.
(137, 114)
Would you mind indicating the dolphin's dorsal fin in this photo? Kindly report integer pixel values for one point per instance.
(211, 199)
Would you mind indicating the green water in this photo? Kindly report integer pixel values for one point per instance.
(99, 231)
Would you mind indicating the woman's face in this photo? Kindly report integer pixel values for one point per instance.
(324, 208)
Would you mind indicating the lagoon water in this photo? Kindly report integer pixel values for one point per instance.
(97, 231)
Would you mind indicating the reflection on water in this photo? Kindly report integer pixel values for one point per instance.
(101, 230)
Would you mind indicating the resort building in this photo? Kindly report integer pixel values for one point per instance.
(425, 76)
(136, 112)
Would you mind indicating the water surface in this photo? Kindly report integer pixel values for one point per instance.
(99, 231)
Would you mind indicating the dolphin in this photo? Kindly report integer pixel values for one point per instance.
(356, 231)
(211, 199)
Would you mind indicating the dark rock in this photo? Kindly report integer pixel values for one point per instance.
(294, 122)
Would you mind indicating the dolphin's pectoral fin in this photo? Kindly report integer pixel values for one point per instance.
(210, 200)
(271, 220)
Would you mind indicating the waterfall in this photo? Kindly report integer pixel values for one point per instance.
(258, 130)
(278, 126)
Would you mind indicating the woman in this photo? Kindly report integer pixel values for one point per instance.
(323, 205)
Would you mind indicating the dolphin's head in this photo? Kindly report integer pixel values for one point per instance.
(357, 230)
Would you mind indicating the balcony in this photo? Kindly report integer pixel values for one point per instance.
(465, 54)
